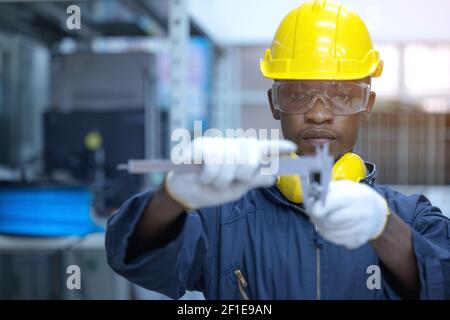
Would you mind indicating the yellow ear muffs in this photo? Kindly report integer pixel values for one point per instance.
(349, 167)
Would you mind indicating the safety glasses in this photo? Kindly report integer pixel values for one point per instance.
(339, 97)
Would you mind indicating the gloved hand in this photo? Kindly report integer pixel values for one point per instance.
(352, 215)
(230, 168)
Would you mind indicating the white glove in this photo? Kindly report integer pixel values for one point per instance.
(230, 168)
(352, 215)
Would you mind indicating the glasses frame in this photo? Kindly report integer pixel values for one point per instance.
(365, 86)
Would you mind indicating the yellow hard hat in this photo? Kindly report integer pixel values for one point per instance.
(321, 40)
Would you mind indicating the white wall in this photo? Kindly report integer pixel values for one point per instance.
(242, 22)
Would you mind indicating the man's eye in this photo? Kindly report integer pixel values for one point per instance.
(342, 97)
(297, 96)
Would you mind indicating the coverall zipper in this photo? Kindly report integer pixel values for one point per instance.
(241, 284)
(318, 272)
(318, 247)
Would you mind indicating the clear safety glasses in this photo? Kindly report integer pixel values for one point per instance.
(339, 97)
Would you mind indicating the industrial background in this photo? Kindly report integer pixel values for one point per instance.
(76, 102)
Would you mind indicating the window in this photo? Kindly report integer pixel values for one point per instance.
(388, 84)
(427, 69)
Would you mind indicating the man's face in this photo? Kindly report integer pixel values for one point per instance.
(318, 125)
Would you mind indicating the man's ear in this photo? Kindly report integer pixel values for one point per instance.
(275, 112)
(370, 103)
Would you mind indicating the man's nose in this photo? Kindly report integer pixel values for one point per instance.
(319, 112)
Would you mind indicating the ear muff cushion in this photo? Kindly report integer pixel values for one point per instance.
(349, 167)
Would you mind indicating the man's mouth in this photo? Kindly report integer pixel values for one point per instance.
(317, 136)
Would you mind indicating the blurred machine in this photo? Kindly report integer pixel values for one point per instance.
(102, 112)
(84, 147)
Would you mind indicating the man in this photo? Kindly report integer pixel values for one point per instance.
(230, 233)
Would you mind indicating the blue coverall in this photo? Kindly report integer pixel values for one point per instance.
(276, 249)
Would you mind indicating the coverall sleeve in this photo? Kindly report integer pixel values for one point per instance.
(431, 241)
(172, 269)
(431, 244)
